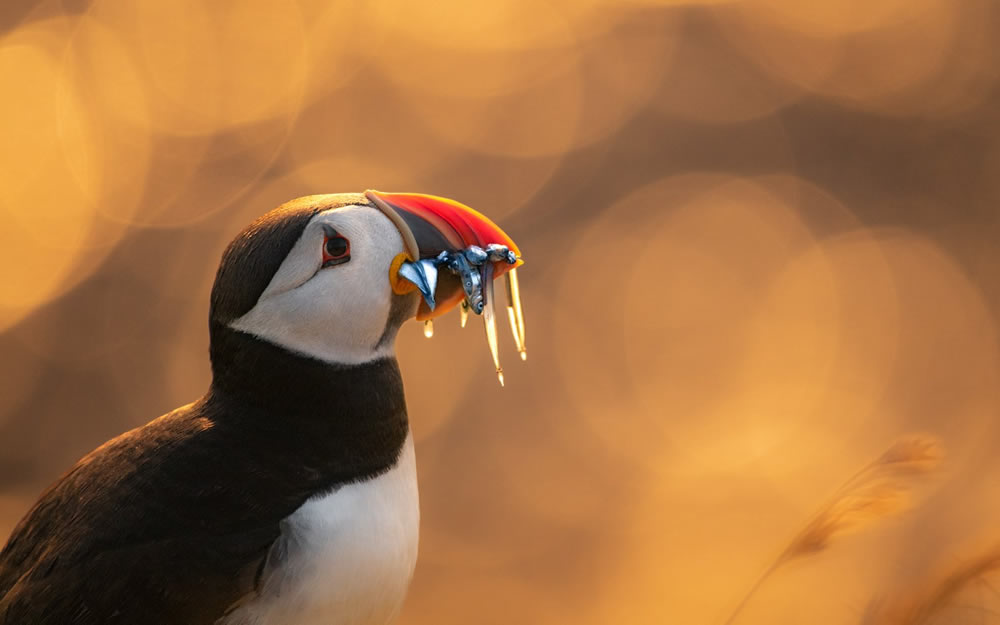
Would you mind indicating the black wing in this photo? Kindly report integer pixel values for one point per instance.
(166, 524)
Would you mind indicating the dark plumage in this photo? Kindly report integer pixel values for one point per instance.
(190, 504)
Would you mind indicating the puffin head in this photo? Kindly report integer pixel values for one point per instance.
(333, 277)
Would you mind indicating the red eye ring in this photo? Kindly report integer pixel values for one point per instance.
(336, 248)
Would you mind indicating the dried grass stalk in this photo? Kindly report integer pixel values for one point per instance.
(879, 490)
(876, 492)
(929, 599)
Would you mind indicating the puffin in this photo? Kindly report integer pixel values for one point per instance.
(287, 494)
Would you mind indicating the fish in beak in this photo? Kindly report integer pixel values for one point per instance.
(453, 255)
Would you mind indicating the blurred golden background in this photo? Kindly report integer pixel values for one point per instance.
(761, 243)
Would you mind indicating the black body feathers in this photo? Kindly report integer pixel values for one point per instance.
(169, 523)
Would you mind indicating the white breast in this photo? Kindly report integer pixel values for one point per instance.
(347, 558)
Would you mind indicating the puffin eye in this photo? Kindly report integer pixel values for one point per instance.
(336, 248)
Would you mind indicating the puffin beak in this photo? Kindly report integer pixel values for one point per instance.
(453, 255)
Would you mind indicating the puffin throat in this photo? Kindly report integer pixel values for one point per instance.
(325, 411)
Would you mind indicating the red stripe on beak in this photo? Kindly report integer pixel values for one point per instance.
(460, 225)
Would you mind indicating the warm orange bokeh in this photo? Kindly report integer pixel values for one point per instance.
(761, 244)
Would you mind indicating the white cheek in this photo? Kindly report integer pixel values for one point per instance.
(339, 313)
(324, 321)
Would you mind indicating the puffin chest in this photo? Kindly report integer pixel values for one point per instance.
(345, 557)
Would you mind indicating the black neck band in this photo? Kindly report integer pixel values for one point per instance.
(346, 422)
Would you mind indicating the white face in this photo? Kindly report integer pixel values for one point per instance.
(337, 313)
